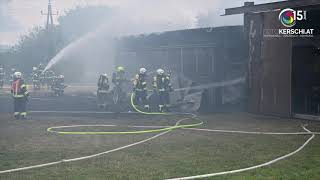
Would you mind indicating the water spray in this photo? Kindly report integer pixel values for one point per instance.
(215, 84)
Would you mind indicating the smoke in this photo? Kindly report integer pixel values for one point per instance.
(95, 50)
(8, 25)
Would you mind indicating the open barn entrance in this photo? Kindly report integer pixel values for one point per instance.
(306, 69)
(306, 80)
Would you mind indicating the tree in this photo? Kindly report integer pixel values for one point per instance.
(32, 48)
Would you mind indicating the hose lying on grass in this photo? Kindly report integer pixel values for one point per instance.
(54, 129)
(164, 130)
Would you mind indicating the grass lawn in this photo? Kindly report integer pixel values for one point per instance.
(176, 154)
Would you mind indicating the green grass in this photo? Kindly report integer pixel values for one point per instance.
(176, 154)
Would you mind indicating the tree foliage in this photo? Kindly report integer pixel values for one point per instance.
(40, 44)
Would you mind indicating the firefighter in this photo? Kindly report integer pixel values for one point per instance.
(162, 86)
(41, 75)
(40, 68)
(13, 70)
(118, 79)
(36, 81)
(58, 86)
(34, 70)
(103, 88)
(2, 77)
(20, 96)
(49, 78)
(140, 88)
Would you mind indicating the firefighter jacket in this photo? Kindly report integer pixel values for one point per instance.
(162, 83)
(19, 89)
(140, 82)
(103, 83)
(118, 77)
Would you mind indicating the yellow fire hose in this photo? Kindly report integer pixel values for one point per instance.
(53, 129)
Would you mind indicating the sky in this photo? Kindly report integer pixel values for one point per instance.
(17, 17)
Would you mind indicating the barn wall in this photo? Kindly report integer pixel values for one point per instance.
(270, 71)
(201, 55)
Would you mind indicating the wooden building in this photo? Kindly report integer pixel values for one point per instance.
(283, 72)
(204, 56)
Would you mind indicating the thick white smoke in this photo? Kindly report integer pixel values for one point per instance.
(138, 17)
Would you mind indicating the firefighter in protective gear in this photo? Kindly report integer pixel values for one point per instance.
(140, 88)
(102, 92)
(13, 70)
(35, 78)
(20, 95)
(41, 75)
(118, 79)
(34, 70)
(50, 77)
(162, 86)
(58, 86)
(36, 81)
(2, 77)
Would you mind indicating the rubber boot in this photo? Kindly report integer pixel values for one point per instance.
(23, 116)
(161, 108)
(17, 117)
(147, 108)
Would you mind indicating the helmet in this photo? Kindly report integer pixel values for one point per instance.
(104, 75)
(34, 68)
(17, 75)
(61, 76)
(120, 69)
(143, 70)
(160, 71)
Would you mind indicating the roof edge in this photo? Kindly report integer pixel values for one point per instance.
(249, 7)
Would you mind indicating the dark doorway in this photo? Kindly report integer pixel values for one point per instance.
(306, 79)
(306, 67)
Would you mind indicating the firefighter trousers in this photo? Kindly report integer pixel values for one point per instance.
(164, 99)
(141, 97)
(20, 107)
(102, 97)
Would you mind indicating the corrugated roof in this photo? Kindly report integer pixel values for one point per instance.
(250, 7)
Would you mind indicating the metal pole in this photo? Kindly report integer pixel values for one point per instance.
(181, 60)
(197, 59)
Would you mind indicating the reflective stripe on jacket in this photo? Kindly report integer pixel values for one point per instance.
(161, 82)
(19, 89)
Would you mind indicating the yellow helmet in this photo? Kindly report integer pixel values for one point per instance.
(120, 69)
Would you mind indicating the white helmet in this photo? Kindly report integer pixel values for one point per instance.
(34, 68)
(160, 71)
(61, 76)
(143, 70)
(17, 75)
(104, 75)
